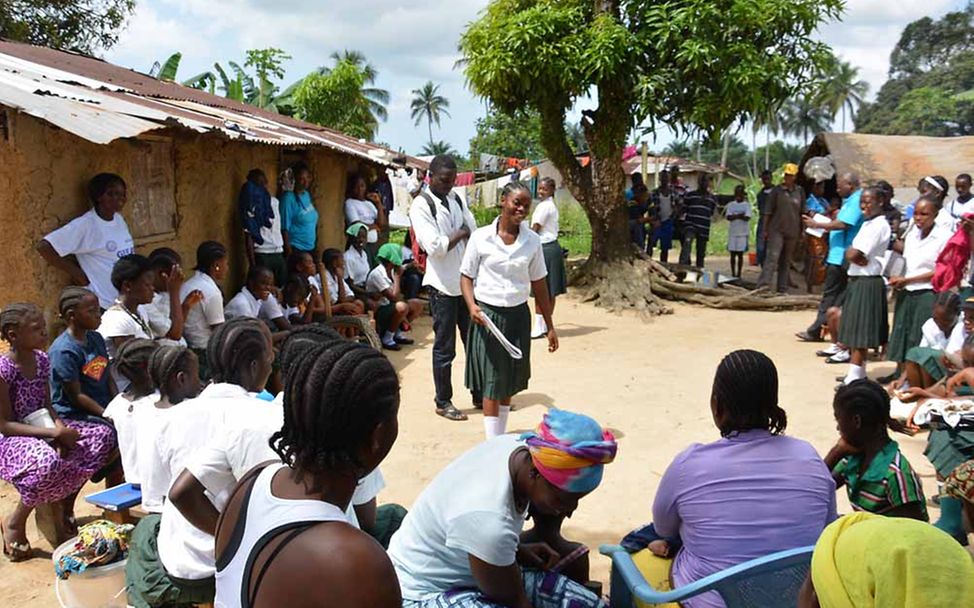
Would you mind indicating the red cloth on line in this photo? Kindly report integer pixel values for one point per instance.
(465, 179)
(952, 260)
(628, 152)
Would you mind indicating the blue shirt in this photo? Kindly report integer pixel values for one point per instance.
(815, 204)
(840, 240)
(300, 219)
(74, 361)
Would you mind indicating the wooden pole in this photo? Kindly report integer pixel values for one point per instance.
(645, 163)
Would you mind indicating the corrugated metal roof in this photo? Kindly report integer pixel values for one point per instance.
(902, 160)
(102, 102)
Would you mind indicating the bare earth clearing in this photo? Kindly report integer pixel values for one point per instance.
(649, 382)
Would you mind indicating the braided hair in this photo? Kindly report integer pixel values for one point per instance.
(746, 388)
(132, 361)
(70, 299)
(514, 186)
(167, 361)
(233, 346)
(164, 258)
(335, 394)
(207, 254)
(13, 315)
(129, 268)
(868, 400)
(949, 301)
(302, 338)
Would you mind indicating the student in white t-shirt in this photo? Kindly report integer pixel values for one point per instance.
(167, 313)
(125, 319)
(257, 300)
(462, 536)
(545, 221)
(212, 267)
(357, 264)
(924, 364)
(383, 286)
(738, 214)
(362, 206)
(132, 363)
(340, 294)
(96, 239)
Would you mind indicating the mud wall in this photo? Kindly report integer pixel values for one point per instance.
(44, 171)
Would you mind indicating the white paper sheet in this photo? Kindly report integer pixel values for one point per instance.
(818, 232)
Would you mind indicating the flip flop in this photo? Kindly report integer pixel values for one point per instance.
(15, 552)
(450, 412)
(804, 336)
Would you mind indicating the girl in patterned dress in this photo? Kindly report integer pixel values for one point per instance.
(44, 463)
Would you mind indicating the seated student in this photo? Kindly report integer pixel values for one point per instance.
(284, 525)
(878, 477)
(939, 365)
(867, 561)
(357, 264)
(124, 410)
(212, 266)
(301, 301)
(460, 543)
(46, 464)
(959, 486)
(343, 301)
(81, 385)
(412, 274)
(258, 300)
(383, 286)
(166, 313)
(244, 443)
(124, 320)
(924, 360)
(751, 493)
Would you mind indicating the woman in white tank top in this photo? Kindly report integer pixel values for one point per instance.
(278, 538)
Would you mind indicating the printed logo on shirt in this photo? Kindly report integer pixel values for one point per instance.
(95, 368)
(112, 246)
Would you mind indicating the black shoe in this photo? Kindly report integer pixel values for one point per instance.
(393, 346)
(404, 340)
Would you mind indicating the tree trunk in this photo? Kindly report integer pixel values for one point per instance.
(429, 125)
(723, 156)
(767, 148)
(754, 149)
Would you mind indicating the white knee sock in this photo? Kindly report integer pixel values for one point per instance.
(502, 415)
(388, 338)
(856, 372)
(492, 427)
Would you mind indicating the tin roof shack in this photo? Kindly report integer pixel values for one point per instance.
(183, 152)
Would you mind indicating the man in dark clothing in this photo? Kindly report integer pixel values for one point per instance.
(699, 207)
(782, 229)
(766, 187)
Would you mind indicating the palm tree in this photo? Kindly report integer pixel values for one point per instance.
(435, 148)
(374, 99)
(429, 104)
(802, 116)
(843, 89)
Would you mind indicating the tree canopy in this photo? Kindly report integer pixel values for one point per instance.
(335, 100)
(77, 25)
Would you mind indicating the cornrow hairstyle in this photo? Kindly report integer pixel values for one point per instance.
(132, 359)
(207, 254)
(442, 162)
(13, 315)
(129, 268)
(70, 298)
(167, 361)
(233, 345)
(164, 258)
(867, 399)
(99, 184)
(514, 186)
(746, 388)
(302, 338)
(950, 302)
(335, 394)
(332, 255)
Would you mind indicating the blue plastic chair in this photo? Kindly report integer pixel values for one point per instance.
(772, 581)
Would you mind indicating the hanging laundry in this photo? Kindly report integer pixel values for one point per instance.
(466, 178)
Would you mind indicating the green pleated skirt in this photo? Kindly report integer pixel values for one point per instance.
(949, 448)
(554, 259)
(928, 359)
(148, 583)
(865, 314)
(490, 370)
(913, 309)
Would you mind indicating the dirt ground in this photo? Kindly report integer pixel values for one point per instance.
(647, 381)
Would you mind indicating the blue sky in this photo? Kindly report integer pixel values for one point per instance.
(410, 43)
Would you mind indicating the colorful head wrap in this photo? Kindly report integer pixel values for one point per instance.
(569, 450)
(390, 252)
(870, 560)
(960, 483)
(355, 228)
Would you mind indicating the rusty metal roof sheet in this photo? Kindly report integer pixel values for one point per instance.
(102, 102)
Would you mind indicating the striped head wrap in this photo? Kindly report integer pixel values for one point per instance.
(569, 450)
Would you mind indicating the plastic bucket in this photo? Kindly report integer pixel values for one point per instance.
(752, 258)
(102, 587)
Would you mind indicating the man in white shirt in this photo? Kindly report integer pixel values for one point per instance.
(443, 224)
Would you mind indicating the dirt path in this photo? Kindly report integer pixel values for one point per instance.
(649, 382)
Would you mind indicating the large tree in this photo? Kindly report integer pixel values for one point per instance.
(77, 25)
(694, 65)
(335, 100)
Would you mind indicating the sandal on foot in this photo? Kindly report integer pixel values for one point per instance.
(15, 552)
(804, 336)
(450, 412)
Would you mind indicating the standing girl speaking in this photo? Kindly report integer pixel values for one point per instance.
(503, 263)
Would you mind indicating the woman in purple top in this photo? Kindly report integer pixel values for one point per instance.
(751, 493)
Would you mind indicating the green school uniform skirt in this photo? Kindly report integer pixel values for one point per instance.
(865, 314)
(948, 448)
(913, 309)
(928, 359)
(146, 578)
(490, 370)
(554, 260)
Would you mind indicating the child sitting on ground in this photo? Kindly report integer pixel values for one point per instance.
(878, 477)
(929, 368)
(925, 361)
(301, 301)
(132, 363)
(258, 300)
(342, 298)
(45, 457)
(383, 286)
(167, 313)
(81, 385)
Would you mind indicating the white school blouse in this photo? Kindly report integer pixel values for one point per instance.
(502, 273)
(872, 241)
(198, 326)
(546, 215)
(921, 253)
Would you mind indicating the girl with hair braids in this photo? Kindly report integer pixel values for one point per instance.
(284, 523)
(45, 457)
(877, 476)
(753, 492)
(132, 363)
(502, 265)
(212, 266)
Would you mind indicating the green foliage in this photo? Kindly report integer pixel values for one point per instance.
(429, 104)
(334, 100)
(77, 25)
(778, 153)
(842, 90)
(516, 135)
(439, 147)
(166, 70)
(930, 56)
(268, 63)
(711, 151)
(804, 117)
